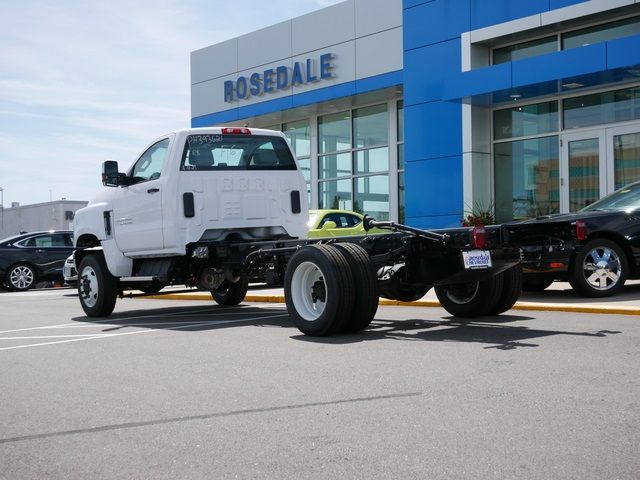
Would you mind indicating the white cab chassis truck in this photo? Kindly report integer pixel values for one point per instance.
(214, 208)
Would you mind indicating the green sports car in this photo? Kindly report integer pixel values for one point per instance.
(337, 223)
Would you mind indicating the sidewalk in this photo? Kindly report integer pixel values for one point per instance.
(558, 297)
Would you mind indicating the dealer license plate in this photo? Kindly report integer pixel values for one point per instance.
(476, 259)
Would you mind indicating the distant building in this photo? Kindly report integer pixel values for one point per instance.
(57, 215)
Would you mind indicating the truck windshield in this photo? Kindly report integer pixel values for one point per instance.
(236, 152)
(627, 198)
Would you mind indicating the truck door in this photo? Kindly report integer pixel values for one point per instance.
(137, 211)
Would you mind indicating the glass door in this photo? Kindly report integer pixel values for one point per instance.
(623, 149)
(583, 171)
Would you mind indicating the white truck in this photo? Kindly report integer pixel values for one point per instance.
(213, 208)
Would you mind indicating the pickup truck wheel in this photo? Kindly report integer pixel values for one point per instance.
(229, 293)
(366, 295)
(535, 284)
(97, 288)
(472, 299)
(21, 277)
(599, 269)
(511, 289)
(318, 289)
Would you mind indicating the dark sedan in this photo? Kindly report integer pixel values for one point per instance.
(595, 249)
(33, 257)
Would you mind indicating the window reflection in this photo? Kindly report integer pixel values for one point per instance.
(526, 178)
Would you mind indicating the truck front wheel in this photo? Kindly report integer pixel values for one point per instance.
(229, 293)
(472, 299)
(318, 289)
(97, 288)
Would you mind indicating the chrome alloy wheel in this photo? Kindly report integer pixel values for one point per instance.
(88, 286)
(309, 291)
(601, 268)
(21, 277)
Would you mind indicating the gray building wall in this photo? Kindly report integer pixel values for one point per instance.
(39, 216)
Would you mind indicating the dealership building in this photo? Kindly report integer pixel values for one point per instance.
(420, 111)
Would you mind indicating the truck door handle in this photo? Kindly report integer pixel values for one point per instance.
(153, 190)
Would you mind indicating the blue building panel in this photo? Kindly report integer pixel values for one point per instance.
(428, 70)
(478, 81)
(414, 3)
(432, 130)
(555, 4)
(434, 188)
(623, 52)
(559, 65)
(490, 12)
(435, 22)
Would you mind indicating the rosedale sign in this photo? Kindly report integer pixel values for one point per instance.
(279, 78)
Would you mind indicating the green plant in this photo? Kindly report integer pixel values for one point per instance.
(479, 215)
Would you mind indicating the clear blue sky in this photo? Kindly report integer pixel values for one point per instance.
(83, 82)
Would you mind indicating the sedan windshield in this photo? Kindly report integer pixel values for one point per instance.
(627, 198)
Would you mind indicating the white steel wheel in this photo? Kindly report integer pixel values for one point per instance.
(21, 277)
(319, 290)
(88, 287)
(471, 299)
(309, 291)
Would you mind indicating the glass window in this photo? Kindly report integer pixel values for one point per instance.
(299, 137)
(601, 33)
(626, 159)
(371, 196)
(149, 165)
(336, 165)
(401, 156)
(372, 160)
(525, 50)
(584, 175)
(236, 152)
(334, 132)
(335, 194)
(598, 108)
(370, 126)
(401, 121)
(305, 168)
(401, 207)
(525, 120)
(526, 178)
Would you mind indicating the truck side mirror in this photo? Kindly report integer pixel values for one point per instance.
(110, 175)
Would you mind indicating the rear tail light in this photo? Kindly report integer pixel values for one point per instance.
(479, 237)
(581, 230)
(236, 131)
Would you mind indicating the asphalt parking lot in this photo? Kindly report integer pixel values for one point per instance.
(187, 389)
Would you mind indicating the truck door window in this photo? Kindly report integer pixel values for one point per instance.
(236, 152)
(149, 165)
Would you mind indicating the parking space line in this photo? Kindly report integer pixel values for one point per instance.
(111, 335)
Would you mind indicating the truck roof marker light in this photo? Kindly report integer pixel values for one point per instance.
(581, 230)
(479, 237)
(236, 131)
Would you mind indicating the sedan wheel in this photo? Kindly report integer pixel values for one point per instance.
(21, 277)
(599, 269)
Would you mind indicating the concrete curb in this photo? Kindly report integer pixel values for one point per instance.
(530, 306)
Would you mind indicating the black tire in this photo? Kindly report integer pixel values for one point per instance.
(229, 294)
(473, 299)
(532, 284)
(366, 294)
(318, 289)
(97, 288)
(599, 269)
(20, 277)
(511, 289)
